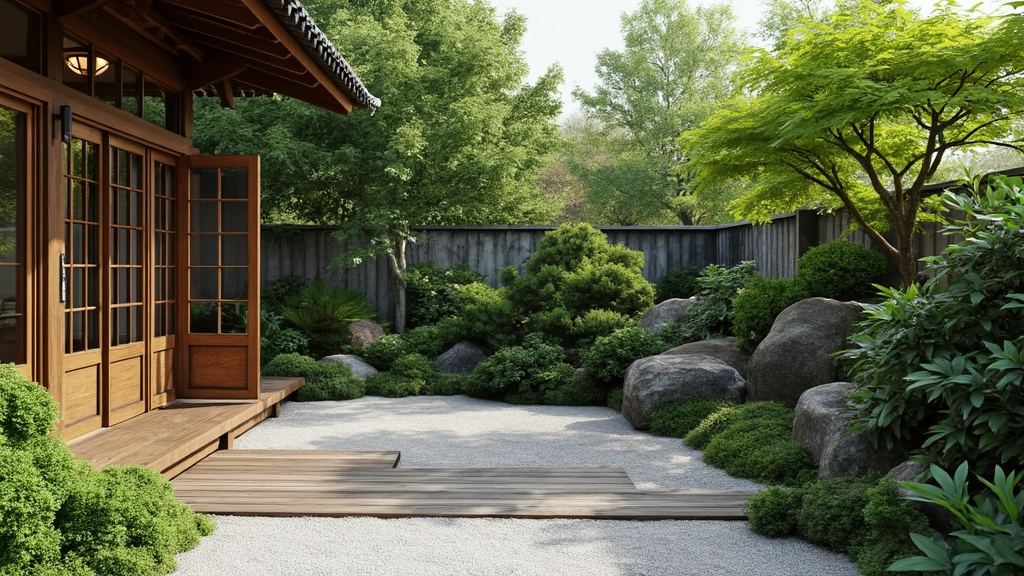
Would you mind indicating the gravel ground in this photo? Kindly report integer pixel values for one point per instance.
(437, 432)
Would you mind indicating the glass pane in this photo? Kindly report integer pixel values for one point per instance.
(122, 253)
(92, 201)
(92, 162)
(92, 250)
(22, 32)
(130, 80)
(159, 241)
(204, 217)
(203, 318)
(154, 104)
(78, 287)
(124, 326)
(235, 250)
(159, 320)
(204, 184)
(235, 216)
(236, 284)
(234, 318)
(67, 333)
(204, 249)
(123, 285)
(92, 296)
(92, 328)
(169, 184)
(170, 318)
(204, 284)
(113, 322)
(136, 323)
(78, 243)
(76, 203)
(105, 78)
(159, 292)
(8, 242)
(77, 331)
(136, 292)
(135, 240)
(234, 183)
(121, 215)
(135, 180)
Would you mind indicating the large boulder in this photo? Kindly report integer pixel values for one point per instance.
(798, 353)
(822, 424)
(725, 349)
(359, 367)
(460, 359)
(363, 333)
(658, 381)
(938, 517)
(672, 311)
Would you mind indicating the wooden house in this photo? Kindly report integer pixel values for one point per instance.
(129, 269)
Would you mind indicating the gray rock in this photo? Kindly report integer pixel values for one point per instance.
(658, 381)
(798, 352)
(938, 517)
(363, 333)
(725, 349)
(460, 359)
(360, 369)
(822, 426)
(671, 311)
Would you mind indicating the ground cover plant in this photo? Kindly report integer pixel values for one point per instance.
(324, 380)
(679, 420)
(62, 518)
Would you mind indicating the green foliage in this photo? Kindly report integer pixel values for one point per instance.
(757, 444)
(280, 291)
(597, 323)
(831, 515)
(677, 421)
(487, 317)
(323, 314)
(430, 291)
(940, 367)
(840, 270)
(714, 424)
(711, 315)
(391, 385)
(276, 338)
(991, 538)
(432, 339)
(757, 306)
(411, 375)
(679, 283)
(324, 380)
(615, 399)
(522, 374)
(607, 286)
(383, 351)
(773, 512)
(898, 105)
(889, 520)
(63, 518)
(26, 409)
(608, 358)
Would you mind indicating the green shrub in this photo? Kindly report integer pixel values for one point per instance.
(840, 270)
(938, 366)
(443, 384)
(889, 520)
(28, 536)
(594, 324)
(568, 246)
(279, 291)
(430, 340)
(276, 338)
(710, 315)
(832, 513)
(26, 409)
(710, 427)
(773, 512)
(757, 444)
(431, 292)
(391, 385)
(575, 391)
(679, 283)
(607, 286)
(677, 421)
(323, 314)
(608, 358)
(383, 351)
(521, 374)
(991, 538)
(757, 305)
(324, 380)
(615, 399)
(487, 317)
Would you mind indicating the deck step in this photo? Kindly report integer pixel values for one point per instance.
(329, 483)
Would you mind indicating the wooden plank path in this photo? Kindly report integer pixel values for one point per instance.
(339, 483)
(173, 438)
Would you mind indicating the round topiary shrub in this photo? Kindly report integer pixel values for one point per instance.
(832, 512)
(391, 385)
(773, 512)
(383, 351)
(27, 410)
(430, 291)
(521, 374)
(677, 421)
(608, 358)
(679, 283)
(840, 270)
(324, 380)
(607, 286)
(757, 306)
(597, 323)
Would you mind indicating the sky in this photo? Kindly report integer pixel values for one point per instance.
(572, 33)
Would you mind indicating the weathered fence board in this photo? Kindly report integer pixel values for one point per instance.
(309, 251)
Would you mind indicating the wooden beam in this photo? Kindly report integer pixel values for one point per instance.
(64, 9)
(227, 97)
(212, 71)
(298, 50)
(231, 13)
(152, 26)
(214, 33)
(313, 95)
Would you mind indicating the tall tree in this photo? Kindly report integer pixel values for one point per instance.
(675, 67)
(862, 109)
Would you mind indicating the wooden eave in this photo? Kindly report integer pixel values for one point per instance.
(234, 48)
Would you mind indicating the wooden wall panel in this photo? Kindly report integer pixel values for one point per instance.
(218, 368)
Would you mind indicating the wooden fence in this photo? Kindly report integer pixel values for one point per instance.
(308, 251)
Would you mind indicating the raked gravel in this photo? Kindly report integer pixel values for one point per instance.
(457, 431)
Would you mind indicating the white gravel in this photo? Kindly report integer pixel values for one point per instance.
(436, 432)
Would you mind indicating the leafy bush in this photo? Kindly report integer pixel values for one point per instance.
(991, 540)
(324, 380)
(608, 358)
(937, 367)
(757, 306)
(889, 520)
(280, 290)
(522, 374)
(832, 512)
(615, 399)
(710, 316)
(383, 351)
(575, 391)
(594, 324)
(757, 444)
(323, 314)
(487, 317)
(431, 292)
(677, 421)
(773, 512)
(63, 518)
(431, 340)
(710, 427)
(679, 283)
(607, 286)
(391, 385)
(276, 338)
(840, 270)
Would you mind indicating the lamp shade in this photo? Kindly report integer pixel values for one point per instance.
(77, 60)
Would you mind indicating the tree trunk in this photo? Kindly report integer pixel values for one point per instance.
(906, 261)
(397, 261)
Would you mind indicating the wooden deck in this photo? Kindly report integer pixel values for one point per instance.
(173, 438)
(333, 483)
